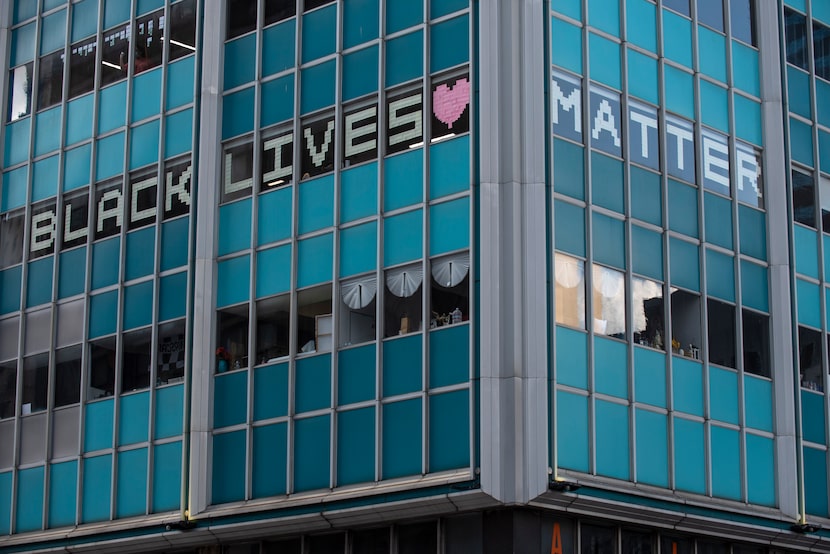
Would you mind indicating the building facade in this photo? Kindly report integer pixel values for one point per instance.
(415, 276)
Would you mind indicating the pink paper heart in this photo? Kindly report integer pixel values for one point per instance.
(448, 103)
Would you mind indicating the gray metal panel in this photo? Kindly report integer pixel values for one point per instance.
(6, 438)
(38, 331)
(65, 432)
(33, 438)
(9, 329)
(70, 315)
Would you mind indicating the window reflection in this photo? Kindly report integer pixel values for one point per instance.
(20, 92)
(171, 353)
(182, 29)
(115, 53)
(710, 12)
(11, 239)
(277, 10)
(81, 67)
(50, 80)
(647, 304)
(240, 18)
(570, 291)
(232, 339)
(609, 302)
(685, 323)
(804, 198)
(824, 193)
(101, 368)
(756, 343)
(148, 41)
(821, 50)
(810, 362)
(108, 212)
(273, 328)
(681, 6)
(742, 20)
(311, 4)
(796, 36)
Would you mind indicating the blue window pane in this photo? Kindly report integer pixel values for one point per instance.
(609, 240)
(449, 226)
(356, 370)
(680, 92)
(53, 32)
(312, 387)
(24, 9)
(63, 494)
(273, 271)
(401, 438)
(677, 38)
(641, 23)
(449, 430)
(316, 204)
(238, 55)
(234, 226)
(573, 431)
(360, 21)
(312, 447)
(605, 60)
(144, 144)
(403, 179)
(402, 365)
(278, 47)
(401, 64)
(689, 456)
(566, 45)
(105, 262)
(174, 243)
(317, 85)
(605, 15)
(718, 220)
(103, 309)
(358, 192)
(17, 142)
(180, 82)
(270, 391)
(230, 403)
(710, 12)
(314, 260)
(726, 456)
(234, 276)
(745, 72)
(358, 249)
(30, 483)
(169, 410)
(15, 185)
(607, 182)
(650, 376)
(319, 33)
(714, 106)
(10, 289)
(569, 223)
(752, 230)
(403, 237)
(115, 12)
(131, 487)
(172, 296)
(712, 46)
(76, 167)
(277, 100)
(720, 272)
(652, 448)
(685, 264)
(238, 113)
(401, 14)
(110, 156)
(39, 287)
(111, 102)
(178, 133)
(72, 274)
(748, 119)
(84, 19)
(275, 220)
(23, 44)
(449, 43)
(742, 22)
(147, 95)
(6, 502)
(610, 367)
(723, 395)
(612, 440)
(642, 76)
(228, 467)
(647, 253)
(801, 142)
(79, 119)
(683, 208)
(270, 444)
(646, 196)
(449, 356)
(138, 305)
(754, 287)
(356, 446)
(815, 473)
(449, 167)
(46, 139)
(760, 470)
(360, 72)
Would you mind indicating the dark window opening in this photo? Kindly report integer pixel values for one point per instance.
(810, 360)
(637, 543)
(273, 327)
(240, 18)
(178, 184)
(649, 321)
(277, 162)
(676, 545)
(327, 544)
(101, 369)
(756, 343)
(11, 239)
(75, 222)
(171, 353)
(277, 10)
(135, 360)
(685, 323)
(597, 540)
(8, 388)
(115, 53)
(721, 333)
(108, 210)
(404, 121)
(804, 198)
(796, 38)
(360, 135)
(232, 339)
(81, 67)
(143, 199)
(20, 91)
(43, 230)
(450, 290)
(821, 50)
(238, 176)
(50, 80)
(314, 323)
(311, 4)
(418, 538)
(68, 376)
(371, 541)
(148, 41)
(402, 300)
(35, 383)
(182, 29)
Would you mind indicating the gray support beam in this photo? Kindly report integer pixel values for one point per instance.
(514, 334)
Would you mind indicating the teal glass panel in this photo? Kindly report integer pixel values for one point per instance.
(438, 8)
(801, 142)
(72, 272)
(147, 95)
(684, 264)
(652, 448)
(98, 425)
(358, 192)
(683, 208)
(178, 133)
(234, 275)
(758, 402)
(809, 303)
(572, 429)
(449, 226)
(605, 16)
(689, 456)
(607, 182)
(273, 271)
(642, 72)
(687, 386)
(720, 275)
(316, 204)
(401, 438)
(29, 515)
(752, 230)
(449, 356)
(745, 71)
(312, 450)
(22, 45)
(238, 55)
(360, 21)
(358, 249)
(278, 47)
(46, 139)
(45, 178)
(167, 476)
(115, 12)
(76, 167)
(102, 308)
(569, 225)
(612, 439)
(63, 494)
(403, 177)
(53, 32)
(641, 24)
(646, 196)
(97, 489)
(17, 141)
(610, 367)
(748, 119)
(238, 113)
(146, 6)
(604, 60)
(15, 185)
(180, 82)
(141, 246)
(131, 496)
(571, 8)
(270, 391)
(228, 467)
(822, 102)
(314, 257)
(356, 370)
(230, 399)
(401, 14)
(813, 425)
(105, 262)
(571, 358)
(609, 240)
(39, 287)
(711, 46)
(269, 460)
(680, 91)
(84, 20)
(277, 101)
(401, 64)
(566, 45)
(806, 251)
(449, 431)
(319, 33)
(312, 383)
(138, 305)
(109, 156)
(649, 377)
(815, 473)
(234, 227)
(677, 38)
(5, 502)
(356, 446)
(169, 409)
(726, 456)
(403, 240)
(10, 289)
(275, 221)
(798, 92)
(569, 169)
(24, 9)
(449, 167)
(821, 10)
(449, 43)
(647, 253)
(317, 86)
(717, 220)
(174, 243)
(402, 365)
(714, 106)
(723, 395)
(111, 102)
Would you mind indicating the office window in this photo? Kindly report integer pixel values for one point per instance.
(676, 545)
(570, 291)
(148, 41)
(76, 210)
(647, 303)
(143, 198)
(402, 300)
(681, 6)
(11, 239)
(238, 176)
(35, 383)
(170, 355)
(314, 319)
(710, 13)
(418, 538)
(742, 20)
(135, 360)
(824, 192)
(685, 323)
(68, 376)
(182, 29)
(273, 328)
(8, 388)
(277, 161)
(20, 91)
(450, 292)
(796, 37)
(810, 361)
(634, 542)
(597, 540)
(43, 229)
(756, 343)
(277, 10)
(357, 310)
(721, 334)
(804, 198)
(115, 54)
(609, 301)
(240, 18)
(371, 541)
(81, 67)
(232, 338)
(821, 50)
(101, 377)
(50, 80)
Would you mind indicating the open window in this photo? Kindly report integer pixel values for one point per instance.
(804, 198)
(357, 310)
(68, 376)
(232, 338)
(135, 360)
(35, 383)
(721, 333)
(115, 52)
(450, 293)
(170, 357)
(273, 328)
(8, 382)
(182, 29)
(402, 300)
(810, 361)
(101, 382)
(647, 305)
(569, 291)
(148, 41)
(685, 323)
(314, 321)
(756, 343)
(609, 301)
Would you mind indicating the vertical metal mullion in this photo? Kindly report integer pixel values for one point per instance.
(472, 193)
(380, 295)
(426, 289)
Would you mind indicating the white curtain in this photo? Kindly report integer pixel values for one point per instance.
(404, 282)
(359, 293)
(449, 272)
